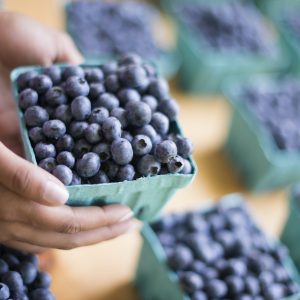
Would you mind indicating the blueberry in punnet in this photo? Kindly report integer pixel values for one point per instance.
(96, 89)
(71, 71)
(126, 173)
(100, 177)
(76, 179)
(148, 165)
(151, 101)
(14, 281)
(111, 128)
(65, 143)
(63, 173)
(63, 113)
(191, 281)
(121, 151)
(4, 291)
(40, 293)
(187, 167)
(103, 150)
(107, 100)
(235, 285)
(126, 135)
(129, 59)
(98, 115)
(93, 75)
(41, 83)
(141, 145)
(109, 68)
(36, 135)
(149, 131)
(66, 158)
(165, 150)
(77, 129)
(199, 295)
(128, 95)
(28, 272)
(184, 146)
(170, 108)
(81, 147)
(35, 116)
(111, 83)
(23, 79)
(121, 115)
(54, 129)
(3, 266)
(76, 86)
(55, 96)
(138, 114)
(216, 288)
(81, 108)
(111, 169)
(160, 123)
(181, 257)
(54, 72)
(43, 280)
(48, 164)
(88, 165)
(93, 133)
(44, 150)
(159, 89)
(133, 75)
(27, 98)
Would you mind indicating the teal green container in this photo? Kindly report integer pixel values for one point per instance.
(167, 62)
(251, 148)
(291, 233)
(204, 70)
(154, 280)
(146, 196)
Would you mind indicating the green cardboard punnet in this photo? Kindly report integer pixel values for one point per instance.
(146, 196)
(155, 280)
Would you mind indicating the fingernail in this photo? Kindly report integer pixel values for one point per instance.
(54, 193)
(126, 217)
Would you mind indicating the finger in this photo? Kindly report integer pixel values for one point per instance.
(25, 247)
(27, 234)
(66, 50)
(30, 181)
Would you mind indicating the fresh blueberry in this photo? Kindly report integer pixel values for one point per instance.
(43, 280)
(76, 86)
(98, 115)
(35, 116)
(109, 68)
(148, 165)
(63, 113)
(63, 173)
(274, 291)
(4, 291)
(65, 143)
(93, 133)
(138, 114)
(235, 285)
(128, 96)
(147, 130)
(36, 135)
(170, 108)
(23, 79)
(54, 72)
(40, 293)
(81, 108)
(103, 150)
(81, 147)
(121, 115)
(55, 96)
(3, 266)
(89, 165)
(44, 150)
(252, 285)
(54, 129)
(130, 58)
(165, 150)
(109, 101)
(160, 123)
(48, 164)
(111, 128)
(14, 281)
(187, 167)
(111, 83)
(77, 129)
(159, 89)
(93, 75)
(27, 98)
(76, 180)
(184, 146)
(99, 178)
(28, 272)
(71, 71)
(111, 169)
(121, 151)
(236, 267)
(199, 295)
(141, 145)
(133, 76)
(66, 158)
(216, 288)
(126, 135)
(181, 257)
(41, 83)
(96, 89)
(151, 101)
(126, 173)
(191, 281)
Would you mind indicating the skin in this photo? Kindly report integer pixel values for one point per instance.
(29, 220)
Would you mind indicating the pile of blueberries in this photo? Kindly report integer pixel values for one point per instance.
(20, 278)
(221, 254)
(277, 107)
(103, 124)
(129, 29)
(230, 26)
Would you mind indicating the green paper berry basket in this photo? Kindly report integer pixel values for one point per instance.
(166, 61)
(252, 149)
(146, 196)
(204, 70)
(155, 280)
(291, 233)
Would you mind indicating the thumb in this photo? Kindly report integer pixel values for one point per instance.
(30, 181)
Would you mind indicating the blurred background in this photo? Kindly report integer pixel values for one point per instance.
(177, 36)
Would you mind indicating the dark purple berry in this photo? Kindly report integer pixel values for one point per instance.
(65, 143)
(184, 146)
(55, 96)
(54, 73)
(159, 89)
(76, 180)
(63, 173)
(48, 164)
(165, 150)
(28, 272)
(63, 113)
(36, 135)
(96, 89)
(111, 83)
(120, 114)
(40, 293)
(43, 150)
(77, 129)
(141, 145)
(109, 101)
(89, 165)
(35, 116)
(128, 96)
(121, 151)
(111, 169)
(76, 86)
(41, 83)
(147, 130)
(81, 108)
(126, 135)
(138, 114)
(24, 79)
(66, 158)
(148, 165)
(160, 123)
(71, 71)
(98, 115)
(103, 150)
(170, 108)
(54, 129)
(27, 98)
(99, 178)
(151, 101)
(133, 76)
(93, 133)
(111, 128)
(126, 173)
(129, 59)
(81, 147)
(93, 75)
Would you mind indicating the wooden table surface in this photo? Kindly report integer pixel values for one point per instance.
(105, 271)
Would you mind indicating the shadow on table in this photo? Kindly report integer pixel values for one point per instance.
(122, 292)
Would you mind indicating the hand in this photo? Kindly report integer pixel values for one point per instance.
(33, 216)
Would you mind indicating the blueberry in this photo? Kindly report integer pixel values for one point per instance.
(36, 135)
(252, 285)
(76, 86)
(4, 291)
(41, 83)
(191, 281)
(109, 68)
(216, 288)
(111, 128)
(14, 281)
(35, 116)
(3, 266)
(111, 83)
(93, 75)
(126, 135)
(274, 291)
(126, 173)
(148, 165)
(236, 267)
(98, 115)
(63, 173)
(11, 259)
(40, 293)
(180, 258)
(138, 114)
(28, 272)
(184, 146)
(121, 151)
(55, 96)
(147, 130)
(54, 129)
(160, 123)
(165, 150)
(43, 280)
(96, 89)
(51, 111)
(120, 114)
(130, 58)
(71, 71)
(100, 177)
(93, 133)
(197, 223)
(141, 145)
(199, 295)
(43, 150)
(89, 165)
(151, 101)
(133, 76)
(159, 89)
(111, 169)
(65, 143)
(81, 108)
(66, 158)
(109, 101)
(103, 150)
(235, 285)
(81, 147)
(76, 180)
(77, 129)
(54, 73)
(187, 167)
(128, 96)
(23, 79)
(166, 239)
(170, 108)
(48, 164)
(27, 98)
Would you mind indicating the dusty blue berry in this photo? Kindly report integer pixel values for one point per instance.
(63, 113)
(99, 178)
(109, 101)
(65, 143)
(151, 101)
(98, 115)
(36, 116)
(126, 173)
(24, 79)
(71, 71)
(44, 150)
(147, 130)
(165, 150)
(56, 96)
(48, 164)
(41, 83)
(121, 151)
(159, 88)
(175, 164)
(66, 158)
(111, 83)
(111, 128)
(170, 108)
(96, 89)
(138, 114)
(36, 135)
(128, 96)
(81, 147)
(121, 115)
(148, 165)
(88, 165)
(54, 72)
(27, 98)
(63, 173)
(93, 75)
(54, 129)
(103, 150)
(141, 145)
(93, 133)
(160, 123)
(76, 86)
(81, 108)
(77, 129)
